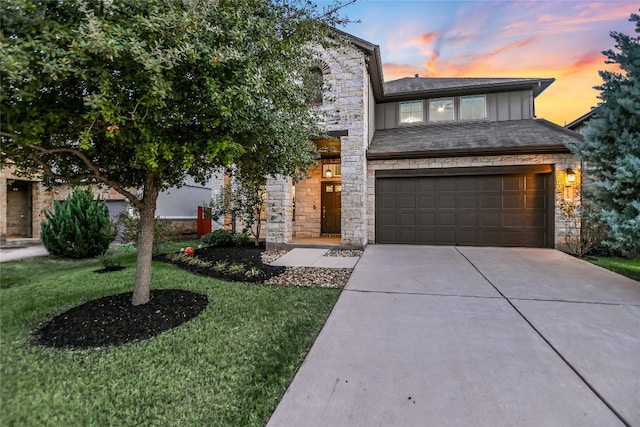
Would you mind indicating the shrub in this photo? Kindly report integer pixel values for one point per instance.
(220, 266)
(163, 231)
(220, 237)
(240, 239)
(236, 269)
(79, 228)
(111, 259)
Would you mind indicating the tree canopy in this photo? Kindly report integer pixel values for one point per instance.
(140, 94)
(611, 147)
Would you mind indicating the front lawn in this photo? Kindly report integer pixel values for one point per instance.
(229, 366)
(624, 266)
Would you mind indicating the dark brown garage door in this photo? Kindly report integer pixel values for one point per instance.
(481, 210)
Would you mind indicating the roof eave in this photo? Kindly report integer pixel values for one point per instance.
(467, 152)
(537, 86)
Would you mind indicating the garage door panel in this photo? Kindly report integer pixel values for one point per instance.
(446, 219)
(426, 218)
(512, 183)
(406, 186)
(446, 202)
(406, 201)
(467, 219)
(489, 220)
(495, 210)
(426, 202)
(491, 201)
(535, 201)
(405, 219)
(512, 202)
(407, 235)
(467, 201)
(446, 237)
(512, 220)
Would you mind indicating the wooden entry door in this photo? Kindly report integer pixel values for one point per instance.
(19, 209)
(331, 207)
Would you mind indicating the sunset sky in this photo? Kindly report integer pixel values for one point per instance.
(522, 38)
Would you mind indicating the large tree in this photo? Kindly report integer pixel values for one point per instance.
(140, 94)
(611, 147)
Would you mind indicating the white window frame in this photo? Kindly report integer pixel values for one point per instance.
(453, 112)
(414, 118)
(484, 107)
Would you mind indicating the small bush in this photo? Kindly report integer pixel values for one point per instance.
(240, 239)
(237, 268)
(254, 272)
(163, 231)
(220, 237)
(111, 259)
(220, 266)
(79, 228)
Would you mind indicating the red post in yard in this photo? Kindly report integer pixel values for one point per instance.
(204, 221)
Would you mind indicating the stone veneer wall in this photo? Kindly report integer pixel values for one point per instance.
(279, 229)
(562, 162)
(308, 204)
(345, 107)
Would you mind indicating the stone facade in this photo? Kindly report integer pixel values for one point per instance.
(561, 163)
(279, 230)
(345, 109)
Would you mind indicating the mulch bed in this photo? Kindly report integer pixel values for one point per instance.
(249, 256)
(114, 321)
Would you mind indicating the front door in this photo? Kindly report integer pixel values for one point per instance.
(331, 204)
(18, 209)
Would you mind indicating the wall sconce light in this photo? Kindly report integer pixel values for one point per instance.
(328, 173)
(571, 177)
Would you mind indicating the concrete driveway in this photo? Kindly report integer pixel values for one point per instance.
(462, 336)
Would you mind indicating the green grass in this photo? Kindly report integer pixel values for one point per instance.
(624, 266)
(227, 367)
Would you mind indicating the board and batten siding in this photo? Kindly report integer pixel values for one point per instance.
(501, 106)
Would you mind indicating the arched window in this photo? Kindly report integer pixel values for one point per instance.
(315, 85)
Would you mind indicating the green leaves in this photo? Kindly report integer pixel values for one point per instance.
(611, 148)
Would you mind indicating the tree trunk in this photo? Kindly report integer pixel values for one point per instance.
(257, 233)
(141, 288)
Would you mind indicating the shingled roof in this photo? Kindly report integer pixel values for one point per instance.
(532, 136)
(434, 86)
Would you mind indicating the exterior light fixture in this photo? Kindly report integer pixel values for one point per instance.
(328, 173)
(571, 177)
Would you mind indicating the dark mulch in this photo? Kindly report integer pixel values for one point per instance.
(249, 256)
(114, 321)
(110, 269)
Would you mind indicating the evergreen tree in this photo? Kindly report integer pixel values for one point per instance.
(79, 228)
(611, 147)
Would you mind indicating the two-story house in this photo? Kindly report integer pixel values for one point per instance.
(436, 161)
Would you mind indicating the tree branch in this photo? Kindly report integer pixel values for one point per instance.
(96, 174)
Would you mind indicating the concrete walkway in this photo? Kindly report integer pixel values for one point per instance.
(311, 257)
(17, 253)
(445, 336)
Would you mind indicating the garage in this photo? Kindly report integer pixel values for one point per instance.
(491, 206)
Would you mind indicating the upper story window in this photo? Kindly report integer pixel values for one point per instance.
(441, 110)
(411, 112)
(473, 107)
(315, 85)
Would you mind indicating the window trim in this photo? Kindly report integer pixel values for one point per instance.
(453, 106)
(484, 117)
(417, 122)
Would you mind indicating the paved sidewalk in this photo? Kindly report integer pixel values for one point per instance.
(446, 336)
(18, 253)
(308, 257)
